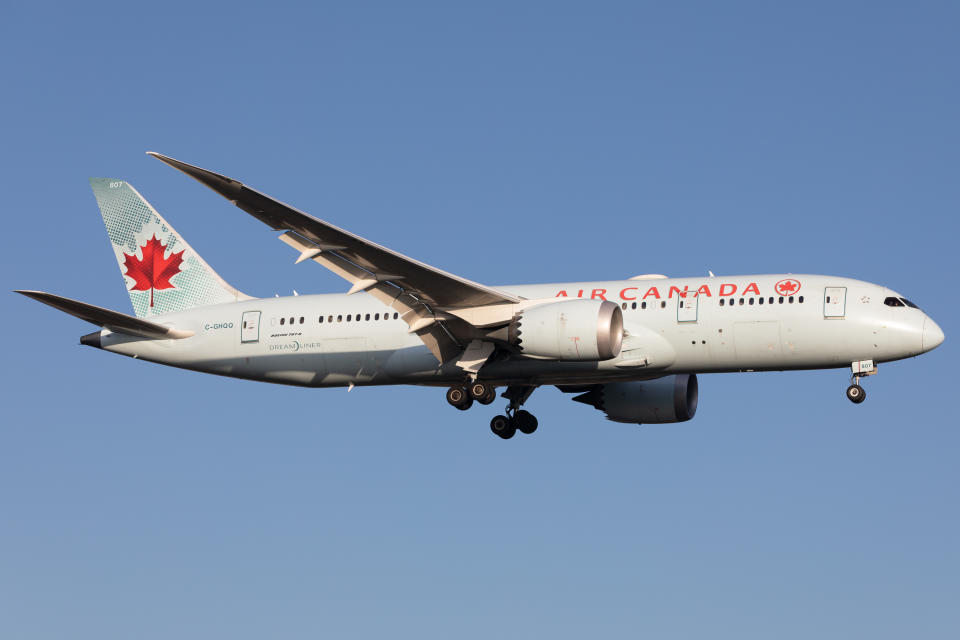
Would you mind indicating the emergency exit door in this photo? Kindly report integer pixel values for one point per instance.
(687, 308)
(250, 326)
(834, 302)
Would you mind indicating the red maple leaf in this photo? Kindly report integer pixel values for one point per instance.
(787, 286)
(153, 271)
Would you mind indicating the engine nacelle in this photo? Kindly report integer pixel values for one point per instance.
(569, 330)
(667, 399)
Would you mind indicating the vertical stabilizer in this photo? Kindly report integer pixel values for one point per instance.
(162, 272)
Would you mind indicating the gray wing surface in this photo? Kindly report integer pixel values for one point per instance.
(420, 292)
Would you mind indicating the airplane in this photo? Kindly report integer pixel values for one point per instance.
(630, 348)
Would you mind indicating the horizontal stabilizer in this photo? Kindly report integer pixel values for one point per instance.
(113, 320)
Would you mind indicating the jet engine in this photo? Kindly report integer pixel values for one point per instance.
(569, 330)
(667, 399)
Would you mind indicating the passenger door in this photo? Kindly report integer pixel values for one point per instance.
(250, 327)
(687, 308)
(834, 302)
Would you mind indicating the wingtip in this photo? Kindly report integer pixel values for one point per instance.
(216, 181)
(161, 157)
(40, 296)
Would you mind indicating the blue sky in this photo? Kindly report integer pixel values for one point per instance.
(506, 143)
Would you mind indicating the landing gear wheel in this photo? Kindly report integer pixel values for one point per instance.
(503, 427)
(459, 398)
(526, 422)
(856, 394)
(479, 390)
(488, 397)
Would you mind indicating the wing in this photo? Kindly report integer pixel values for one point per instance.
(422, 293)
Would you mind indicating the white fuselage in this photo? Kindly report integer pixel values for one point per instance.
(672, 325)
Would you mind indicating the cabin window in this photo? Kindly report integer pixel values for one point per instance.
(770, 300)
(367, 317)
(800, 299)
(751, 300)
(282, 320)
(376, 316)
(633, 305)
(643, 305)
(790, 299)
(321, 319)
(890, 302)
(301, 319)
(759, 300)
(339, 318)
(721, 302)
(663, 304)
(348, 317)
(741, 302)
(396, 315)
(329, 318)
(781, 299)
(623, 305)
(681, 304)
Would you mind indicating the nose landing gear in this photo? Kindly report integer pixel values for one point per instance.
(861, 369)
(855, 392)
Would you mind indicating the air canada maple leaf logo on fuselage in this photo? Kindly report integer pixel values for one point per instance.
(787, 287)
(153, 271)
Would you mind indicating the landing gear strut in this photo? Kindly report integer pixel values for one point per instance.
(855, 393)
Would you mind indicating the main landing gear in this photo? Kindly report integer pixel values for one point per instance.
(862, 368)
(463, 398)
(505, 426)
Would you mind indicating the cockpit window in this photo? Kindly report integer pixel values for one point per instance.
(908, 303)
(893, 302)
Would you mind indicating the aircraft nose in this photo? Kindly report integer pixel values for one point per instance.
(932, 335)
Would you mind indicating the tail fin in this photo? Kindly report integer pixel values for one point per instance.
(162, 272)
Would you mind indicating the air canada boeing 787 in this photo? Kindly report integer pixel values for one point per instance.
(631, 348)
